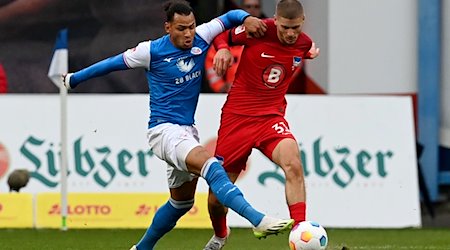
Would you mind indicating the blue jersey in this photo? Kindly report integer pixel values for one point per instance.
(174, 75)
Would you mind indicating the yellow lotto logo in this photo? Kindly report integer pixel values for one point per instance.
(16, 210)
(113, 210)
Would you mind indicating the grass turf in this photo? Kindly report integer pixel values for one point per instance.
(240, 239)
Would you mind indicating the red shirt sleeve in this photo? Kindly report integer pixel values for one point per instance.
(221, 41)
(231, 37)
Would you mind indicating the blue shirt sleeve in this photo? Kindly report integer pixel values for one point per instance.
(233, 18)
(103, 67)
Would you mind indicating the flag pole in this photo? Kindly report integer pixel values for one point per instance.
(58, 67)
(63, 99)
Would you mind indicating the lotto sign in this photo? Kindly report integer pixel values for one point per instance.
(16, 210)
(113, 210)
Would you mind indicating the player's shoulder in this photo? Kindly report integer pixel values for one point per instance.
(161, 41)
(160, 45)
(304, 40)
(269, 21)
(271, 27)
(305, 37)
(271, 32)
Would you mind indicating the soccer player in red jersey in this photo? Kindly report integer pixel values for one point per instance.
(253, 114)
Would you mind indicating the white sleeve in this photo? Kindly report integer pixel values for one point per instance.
(208, 31)
(139, 56)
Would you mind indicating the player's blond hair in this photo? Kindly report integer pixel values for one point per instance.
(289, 9)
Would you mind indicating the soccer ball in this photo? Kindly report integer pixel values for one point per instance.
(308, 235)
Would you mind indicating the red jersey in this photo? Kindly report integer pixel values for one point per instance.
(264, 72)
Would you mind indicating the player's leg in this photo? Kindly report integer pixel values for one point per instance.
(286, 154)
(281, 147)
(234, 145)
(218, 216)
(179, 146)
(199, 161)
(163, 140)
(180, 202)
(230, 196)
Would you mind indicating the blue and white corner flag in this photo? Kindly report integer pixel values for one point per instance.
(60, 61)
(58, 67)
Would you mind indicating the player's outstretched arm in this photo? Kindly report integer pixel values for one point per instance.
(233, 18)
(253, 25)
(101, 68)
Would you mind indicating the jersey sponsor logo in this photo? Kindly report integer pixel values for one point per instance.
(188, 77)
(239, 29)
(264, 55)
(273, 75)
(196, 51)
(184, 65)
(168, 59)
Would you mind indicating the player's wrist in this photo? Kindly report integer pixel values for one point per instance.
(245, 17)
(222, 46)
(66, 80)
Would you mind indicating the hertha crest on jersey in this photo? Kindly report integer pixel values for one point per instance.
(296, 61)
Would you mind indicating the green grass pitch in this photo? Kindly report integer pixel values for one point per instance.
(240, 239)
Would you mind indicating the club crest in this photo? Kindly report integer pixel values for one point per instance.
(296, 61)
(196, 51)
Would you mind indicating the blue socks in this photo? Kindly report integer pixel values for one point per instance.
(227, 193)
(165, 220)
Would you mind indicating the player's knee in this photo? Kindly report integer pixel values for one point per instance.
(212, 199)
(184, 205)
(293, 169)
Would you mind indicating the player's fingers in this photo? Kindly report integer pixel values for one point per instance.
(263, 26)
(230, 64)
(215, 64)
(260, 30)
(316, 52)
(219, 68)
(226, 64)
(216, 67)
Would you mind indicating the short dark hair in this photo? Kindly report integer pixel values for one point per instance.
(289, 9)
(181, 7)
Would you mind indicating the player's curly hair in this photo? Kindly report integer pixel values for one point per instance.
(289, 9)
(180, 7)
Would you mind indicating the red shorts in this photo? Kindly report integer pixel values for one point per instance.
(238, 134)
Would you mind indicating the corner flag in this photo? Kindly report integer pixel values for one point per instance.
(60, 61)
(58, 67)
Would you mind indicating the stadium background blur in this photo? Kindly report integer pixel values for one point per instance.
(373, 47)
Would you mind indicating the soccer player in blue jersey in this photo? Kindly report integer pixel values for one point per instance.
(173, 64)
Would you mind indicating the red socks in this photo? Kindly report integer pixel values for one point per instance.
(220, 226)
(298, 212)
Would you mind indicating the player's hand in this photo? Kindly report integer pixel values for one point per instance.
(66, 80)
(254, 26)
(313, 52)
(222, 61)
